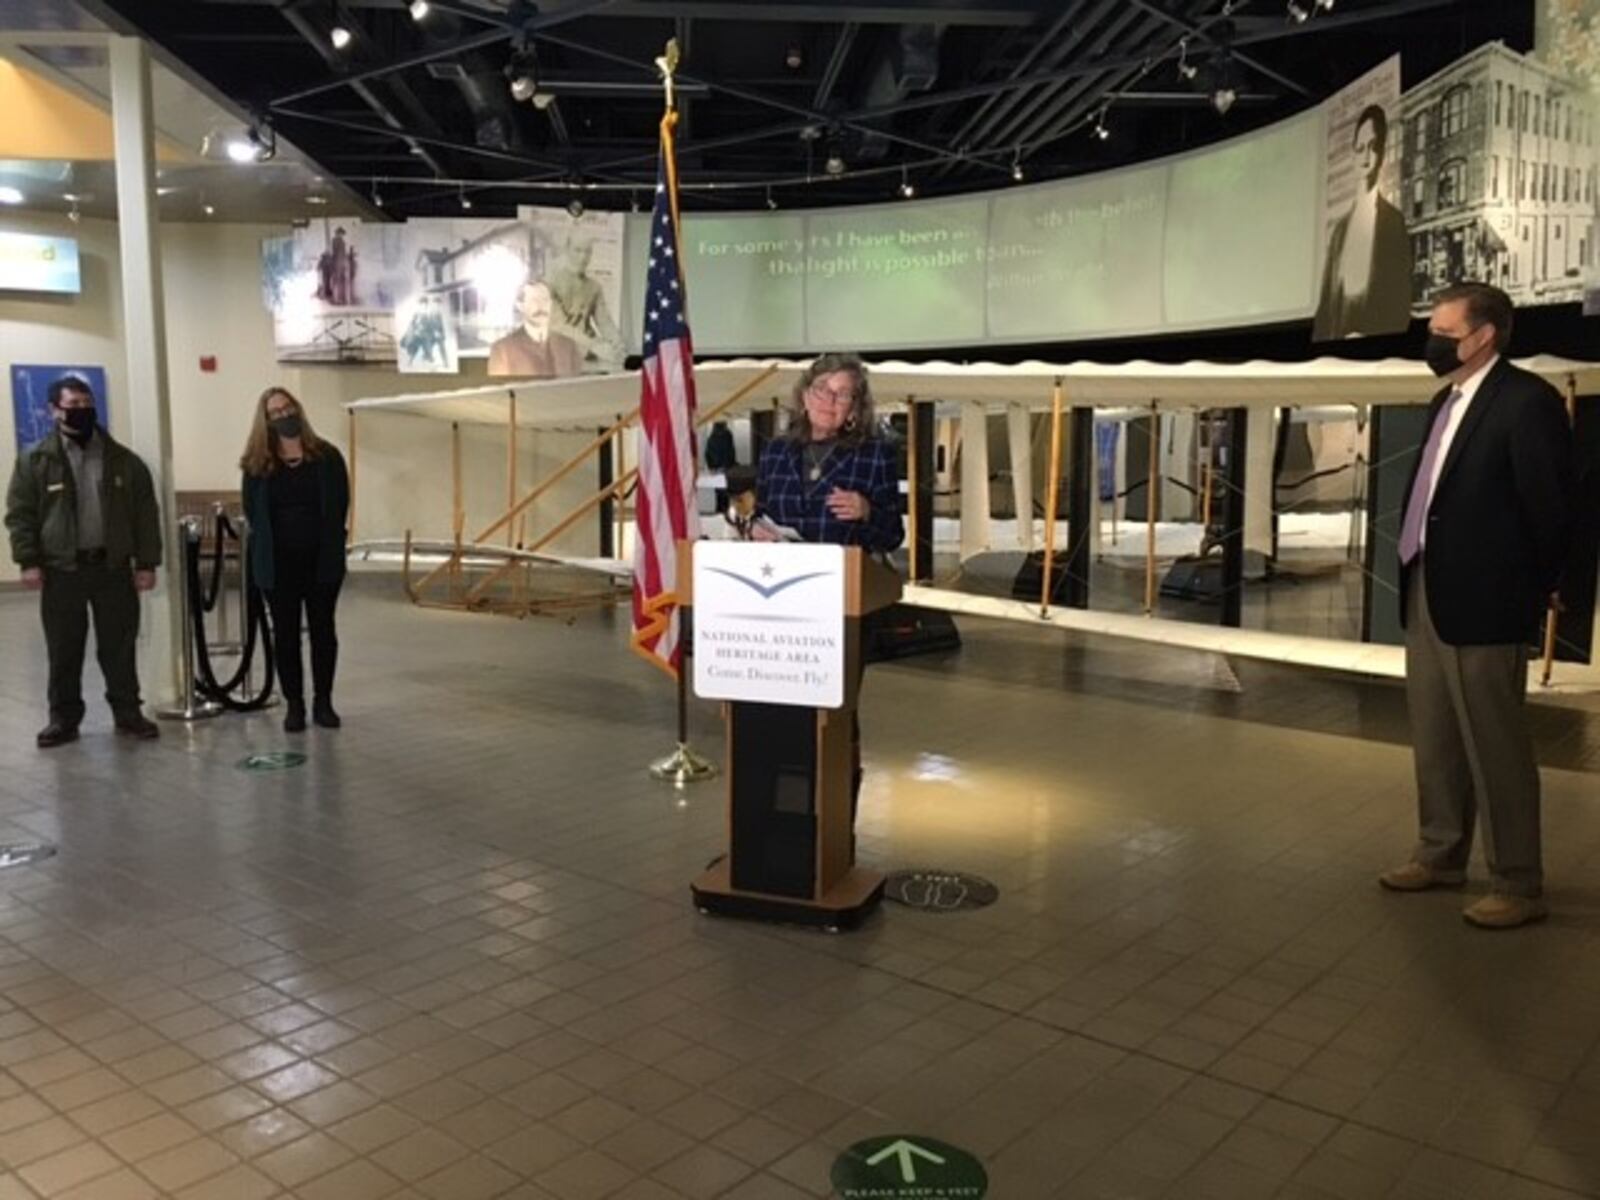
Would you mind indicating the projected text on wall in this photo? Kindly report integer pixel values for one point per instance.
(1223, 236)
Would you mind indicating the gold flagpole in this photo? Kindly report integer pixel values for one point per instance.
(684, 764)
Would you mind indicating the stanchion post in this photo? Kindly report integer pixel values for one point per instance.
(222, 583)
(189, 706)
(242, 536)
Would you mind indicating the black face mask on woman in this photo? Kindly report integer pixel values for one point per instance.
(287, 427)
(1442, 353)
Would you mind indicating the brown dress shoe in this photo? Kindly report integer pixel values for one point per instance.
(1501, 910)
(135, 725)
(56, 734)
(1419, 877)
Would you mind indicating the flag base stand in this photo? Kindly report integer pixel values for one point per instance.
(683, 765)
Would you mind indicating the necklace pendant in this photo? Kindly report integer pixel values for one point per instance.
(816, 474)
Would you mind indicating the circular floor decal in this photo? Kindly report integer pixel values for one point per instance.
(908, 1167)
(272, 760)
(940, 891)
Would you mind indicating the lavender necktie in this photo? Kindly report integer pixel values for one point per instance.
(1417, 509)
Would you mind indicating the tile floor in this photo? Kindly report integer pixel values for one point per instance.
(453, 955)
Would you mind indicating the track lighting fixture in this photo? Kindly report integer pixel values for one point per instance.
(418, 10)
(907, 188)
(1186, 69)
(1223, 78)
(1298, 12)
(1100, 130)
(466, 200)
(522, 76)
(1017, 173)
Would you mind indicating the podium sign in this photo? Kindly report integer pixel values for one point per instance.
(769, 623)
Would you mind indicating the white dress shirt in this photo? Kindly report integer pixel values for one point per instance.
(1468, 388)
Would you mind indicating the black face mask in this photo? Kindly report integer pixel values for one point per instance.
(78, 422)
(1442, 353)
(287, 427)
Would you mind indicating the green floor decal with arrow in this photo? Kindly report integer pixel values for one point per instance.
(908, 1167)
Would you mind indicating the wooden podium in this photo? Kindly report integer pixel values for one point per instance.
(788, 766)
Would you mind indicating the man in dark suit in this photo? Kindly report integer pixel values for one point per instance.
(1366, 278)
(533, 350)
(1482, 546)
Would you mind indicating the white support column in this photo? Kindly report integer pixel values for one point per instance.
(974, 479)
(1261, 438)
(144, 326)
(1019, 427)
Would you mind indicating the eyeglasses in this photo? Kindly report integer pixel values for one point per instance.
(819, 393)
(274, 413)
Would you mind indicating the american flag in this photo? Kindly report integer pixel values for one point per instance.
(665, 499)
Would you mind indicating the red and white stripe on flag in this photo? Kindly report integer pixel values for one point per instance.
(664, 502)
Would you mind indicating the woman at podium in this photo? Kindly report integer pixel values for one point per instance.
(832, 478)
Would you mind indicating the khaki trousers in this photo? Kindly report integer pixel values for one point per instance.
(1474, 755)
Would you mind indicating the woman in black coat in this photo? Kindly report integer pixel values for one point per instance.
(297, 498)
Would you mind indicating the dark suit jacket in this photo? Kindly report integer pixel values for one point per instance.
(1386, 308)
(790, 497)
(1501, 519)
(518, 354)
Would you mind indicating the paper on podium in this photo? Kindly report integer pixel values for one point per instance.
(781, 533)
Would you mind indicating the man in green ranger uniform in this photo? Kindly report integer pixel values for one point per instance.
(86, 531)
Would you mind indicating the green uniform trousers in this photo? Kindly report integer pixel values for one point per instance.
(68, 599)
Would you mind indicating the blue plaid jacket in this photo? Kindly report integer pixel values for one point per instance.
(789, 498)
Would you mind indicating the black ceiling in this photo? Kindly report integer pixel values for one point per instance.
(946, 95)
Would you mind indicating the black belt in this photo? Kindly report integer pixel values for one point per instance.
(92, 556)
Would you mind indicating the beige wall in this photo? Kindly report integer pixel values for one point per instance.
(212, 282)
